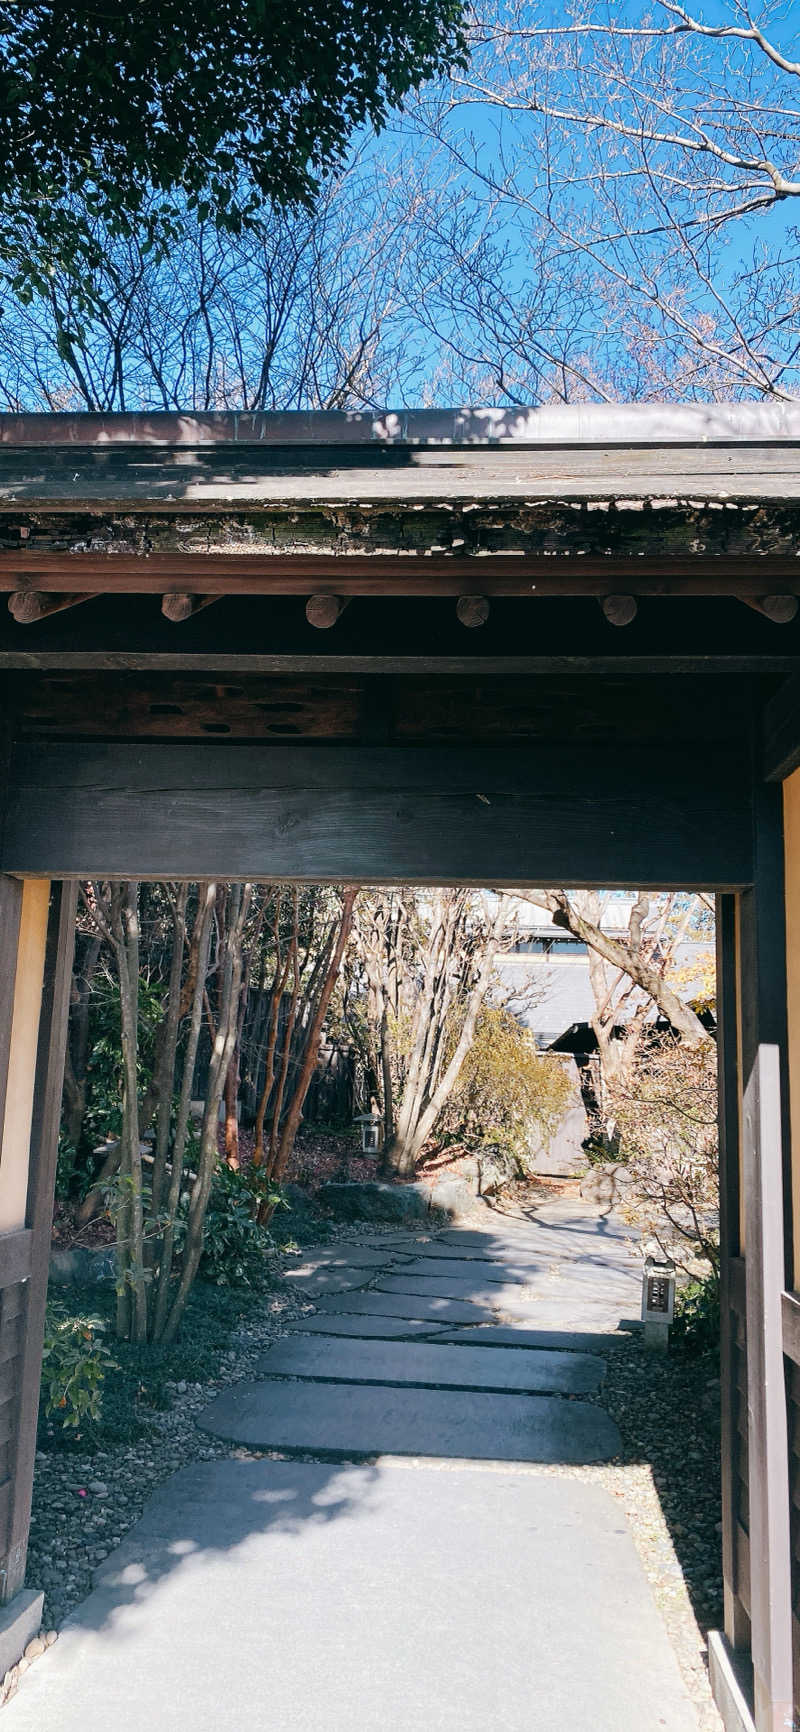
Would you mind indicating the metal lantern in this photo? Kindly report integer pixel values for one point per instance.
(371, 1132)
(658, 1299)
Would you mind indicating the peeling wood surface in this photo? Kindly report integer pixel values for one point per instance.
(405, 549)
(129, 478)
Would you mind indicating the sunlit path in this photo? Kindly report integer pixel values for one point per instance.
(425, 1564)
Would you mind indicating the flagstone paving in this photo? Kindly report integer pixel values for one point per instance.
(299, 1597)
(475, 1584)
(434, 1366)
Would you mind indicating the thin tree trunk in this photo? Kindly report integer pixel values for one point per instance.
(168, 1049)
(313, 1037)
(198, 958)
(230, 980)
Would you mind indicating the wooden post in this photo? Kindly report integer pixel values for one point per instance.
(765, 1172)
(34, 999)
(45, 1121)
(732, 1273)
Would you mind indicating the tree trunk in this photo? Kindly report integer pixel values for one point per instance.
(198, 967)
(313, 1038)
(229, 987)
(429, 1080)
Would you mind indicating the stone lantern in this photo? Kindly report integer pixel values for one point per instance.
(658, 1299)
(371, 1132)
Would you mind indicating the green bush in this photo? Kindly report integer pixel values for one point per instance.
(74, 1365)
(506, 1091)
(697, 1317)
(103, 1117)
(235, 1243)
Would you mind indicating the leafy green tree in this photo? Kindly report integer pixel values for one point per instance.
(133, 114)
(507, 1093)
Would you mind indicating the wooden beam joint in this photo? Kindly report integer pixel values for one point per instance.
(28, 606)
(620, 609)
(472, 610)
(179, 605)
(323, 610)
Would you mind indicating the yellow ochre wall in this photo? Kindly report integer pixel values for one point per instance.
(791, 832)
(29, 980)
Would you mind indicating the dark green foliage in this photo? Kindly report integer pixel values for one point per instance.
(129, 114)
(235, 1244)
(104, 1105)
(135, 1386)
(696, 1325)
(75, 1363)
(66, 1179)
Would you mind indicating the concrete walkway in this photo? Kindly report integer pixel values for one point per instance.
(418, 1572)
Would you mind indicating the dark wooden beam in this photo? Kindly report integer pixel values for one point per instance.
(542, 814)
(512, 573)
(780, 731)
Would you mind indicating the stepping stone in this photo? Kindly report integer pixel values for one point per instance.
(329, 1280)
(436, 1367)
(516, 1336)
(453, 1424)
(543, 1615)
(478, 1269)
(366, 1328)
(480, 1292)
(398, 1305)
(343, 1257)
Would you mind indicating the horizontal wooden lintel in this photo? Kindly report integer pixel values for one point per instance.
(510, 575)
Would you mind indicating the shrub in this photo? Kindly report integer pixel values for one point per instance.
(697, 1316)
(74, 1365)
(506, 1090)
(235, 1243)
(667, 1117)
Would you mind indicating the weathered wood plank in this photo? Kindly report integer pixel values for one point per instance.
(733, 1291)
(375, 710)
(780, 731)
(765, 1179)
(743, 1567)
(10, 914)
(737, 1285)
(790, 1310)
(226, 475)
(484, 815)
(41, 1184)
(572, 563)
(701, 424)
(16, 1251)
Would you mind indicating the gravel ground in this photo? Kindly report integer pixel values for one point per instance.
(667, 1480)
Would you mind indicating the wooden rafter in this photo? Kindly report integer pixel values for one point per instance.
(29, 606)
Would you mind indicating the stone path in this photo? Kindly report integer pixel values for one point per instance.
(428, 1568)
